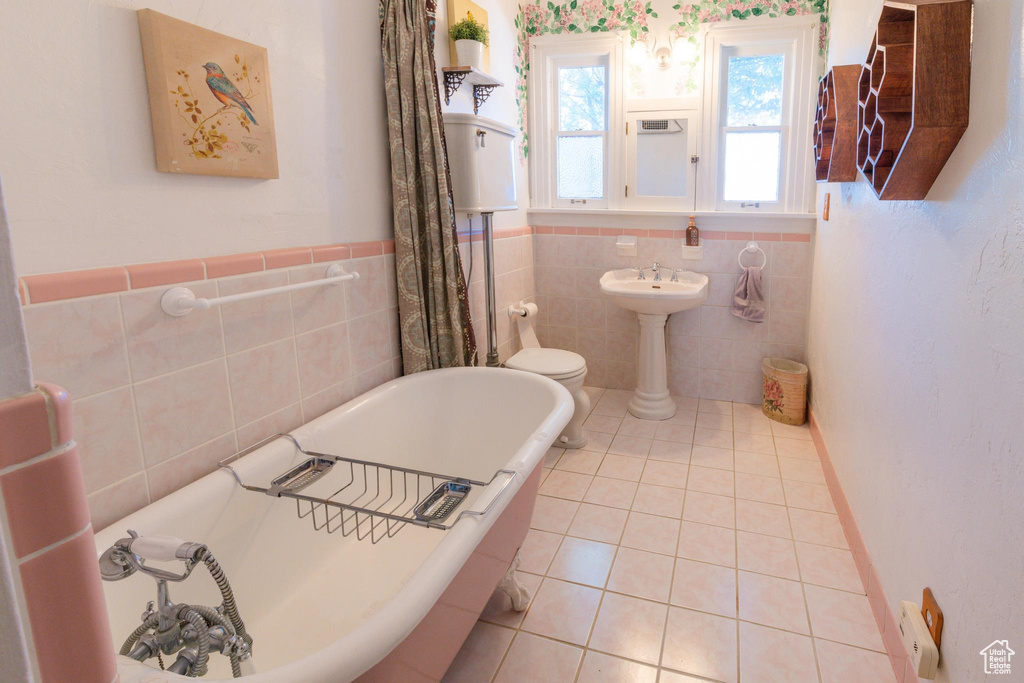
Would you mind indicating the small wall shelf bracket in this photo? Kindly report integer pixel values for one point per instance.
(483, 84)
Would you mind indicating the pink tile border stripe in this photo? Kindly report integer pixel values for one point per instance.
(499, 234)
(902, 665)
(37, 289)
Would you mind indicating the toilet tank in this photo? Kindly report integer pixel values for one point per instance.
(481, 154)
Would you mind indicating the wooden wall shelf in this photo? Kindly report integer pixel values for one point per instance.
(835, 126)
(913, 95)
(483, 84)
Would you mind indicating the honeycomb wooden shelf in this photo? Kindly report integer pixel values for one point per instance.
(835, 126)
(913, 95)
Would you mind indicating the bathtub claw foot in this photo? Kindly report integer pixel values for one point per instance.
(517, 592)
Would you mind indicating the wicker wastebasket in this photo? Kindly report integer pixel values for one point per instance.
(785, 391)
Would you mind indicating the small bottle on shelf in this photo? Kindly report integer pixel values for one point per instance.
(692, 234)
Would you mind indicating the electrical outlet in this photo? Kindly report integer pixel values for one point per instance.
(917, 640)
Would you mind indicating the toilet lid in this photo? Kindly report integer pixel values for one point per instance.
(552, 363)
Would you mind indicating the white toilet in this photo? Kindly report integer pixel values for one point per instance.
(565, 367)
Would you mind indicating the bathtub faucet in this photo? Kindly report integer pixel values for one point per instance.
(168, 628)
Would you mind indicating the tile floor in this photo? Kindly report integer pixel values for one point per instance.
(705, 547)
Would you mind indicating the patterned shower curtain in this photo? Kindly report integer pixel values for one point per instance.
(433, 306)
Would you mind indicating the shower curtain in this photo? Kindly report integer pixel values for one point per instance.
(433, 307)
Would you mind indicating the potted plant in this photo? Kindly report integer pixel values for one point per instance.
(470, 36)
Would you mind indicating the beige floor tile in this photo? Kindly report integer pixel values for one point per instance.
(659, 500)
(844, 664)
(754, 443)
(564, 611)
(704, 587)
(567, 485)
(581, 462)
(716, 438)
(611, 492)
(714, 421)
(621, 467)
(553, 514)
(670, 451)
(635, 446)
(757, 463)
(762, 518)
(673, 431)
(602, 423)
(800, 494)
(598, 523)
(761, 489)
(802, 470)
(748, 411)
(583, 561)
(829, 567)
(766, 555)
(538, 550)
(700, 644)
(634, 426)
(800, 432)
(597, 442)
(710, 480)
(707, 543)
(709, 456)
(772, 601)
(664, 474)
(752, 425)
(480, 654)
(651, 533)
(610, 406)
(768, 655)
(707, 508)
(641, 574)
(552, 455)
(711, 406)
(629, 627)
(532, 658)
(822, 528)
(842, 617)
(795, 448)
(601, 668)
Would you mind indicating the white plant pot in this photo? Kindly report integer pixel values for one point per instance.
(470, 53)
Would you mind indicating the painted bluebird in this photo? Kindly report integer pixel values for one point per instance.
(225, 91)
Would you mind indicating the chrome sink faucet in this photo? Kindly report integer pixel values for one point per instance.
(656, 269)
(639, 272)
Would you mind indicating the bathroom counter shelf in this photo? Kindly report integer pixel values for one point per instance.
(371, 499)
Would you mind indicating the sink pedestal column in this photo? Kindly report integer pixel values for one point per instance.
(651, 400)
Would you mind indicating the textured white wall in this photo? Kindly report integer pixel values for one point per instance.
(917, 356)
(76, 147)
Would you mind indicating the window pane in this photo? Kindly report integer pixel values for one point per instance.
(581, 167)
(661, 158)
(752, 166)
(755, 91)
(581, 95)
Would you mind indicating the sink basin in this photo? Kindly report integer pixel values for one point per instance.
(655, 298)
(653, 303)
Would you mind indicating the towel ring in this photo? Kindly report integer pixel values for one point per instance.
(752, 247)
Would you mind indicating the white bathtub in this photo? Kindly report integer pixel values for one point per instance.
(322, 607)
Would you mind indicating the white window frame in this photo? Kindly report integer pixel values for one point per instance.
(548, 53)
(795, 39)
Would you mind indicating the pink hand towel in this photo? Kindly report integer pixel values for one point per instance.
(748, 301)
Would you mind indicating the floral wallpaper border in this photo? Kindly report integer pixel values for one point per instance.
(633, 16)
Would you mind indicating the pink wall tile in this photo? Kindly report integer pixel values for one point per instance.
(22, 291)
(318, 307)
(795, 237)
(634, 231)
(263, 380)
(117, 501)
(233, 264)
(767, 236)
(282, 258)
(543, 230)
(279, 422)
(361, 249)
(323, 356)
(591, 232)
(256, 321)
(75, 284)
(184, 469)
(25, 426)
(107, 437)
(68, 613)
(740, 235)
(183, 409)
(388, 246)
(364, 336)
(45, 502)
(78, 344)
(331, 252)
(564, 231)
(165, 273)
(714, 234)
(369, 292)
(60, 406)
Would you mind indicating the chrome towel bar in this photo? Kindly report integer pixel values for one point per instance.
(179, 301)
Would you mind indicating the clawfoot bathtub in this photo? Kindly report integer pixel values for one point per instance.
(330, 607)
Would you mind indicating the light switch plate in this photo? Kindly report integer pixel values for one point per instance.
(917, 640)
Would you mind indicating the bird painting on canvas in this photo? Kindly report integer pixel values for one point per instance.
(226, 92)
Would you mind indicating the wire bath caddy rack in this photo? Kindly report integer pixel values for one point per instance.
(370, 499)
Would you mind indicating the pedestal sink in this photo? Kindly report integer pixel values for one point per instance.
(653, 301)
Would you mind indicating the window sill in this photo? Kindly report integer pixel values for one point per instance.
(674, 220)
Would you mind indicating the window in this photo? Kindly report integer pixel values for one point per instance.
(575, 106)
(582, 137)
(756, 80)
